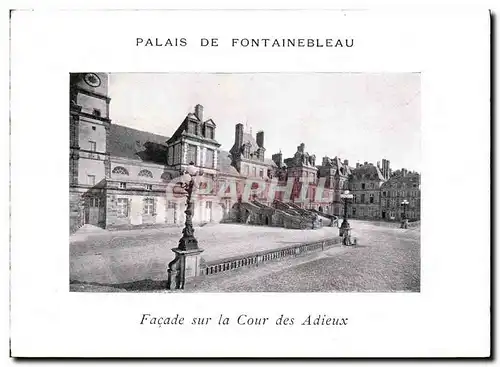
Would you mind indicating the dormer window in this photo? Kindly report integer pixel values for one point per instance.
(192, 128)
(209, 132)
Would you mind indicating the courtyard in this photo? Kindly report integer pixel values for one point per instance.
(386, 259)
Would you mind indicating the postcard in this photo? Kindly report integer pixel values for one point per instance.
(250, 183)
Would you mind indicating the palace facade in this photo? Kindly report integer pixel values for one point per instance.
(121, 177)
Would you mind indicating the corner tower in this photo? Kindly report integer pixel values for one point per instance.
(89, 164)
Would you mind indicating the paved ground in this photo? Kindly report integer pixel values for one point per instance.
(386, 259)
(139, 255)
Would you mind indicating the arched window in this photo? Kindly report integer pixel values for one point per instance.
(145, 173)
(120, 171)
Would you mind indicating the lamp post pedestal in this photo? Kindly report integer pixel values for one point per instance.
(185, 265)
(344, 227)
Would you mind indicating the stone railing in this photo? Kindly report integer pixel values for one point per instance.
(256, 258)
(414, 224)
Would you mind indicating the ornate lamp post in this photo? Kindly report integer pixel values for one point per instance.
(346, 197)
(404, 221)
(187, 253)
(404, 204)
(188, 241)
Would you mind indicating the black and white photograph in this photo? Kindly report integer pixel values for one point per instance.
(258, 182)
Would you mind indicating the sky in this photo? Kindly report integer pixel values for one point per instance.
(362, 117)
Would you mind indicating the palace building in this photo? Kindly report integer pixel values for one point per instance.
(121, 177)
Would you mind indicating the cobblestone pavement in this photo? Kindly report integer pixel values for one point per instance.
(386, 259)
(138, 255)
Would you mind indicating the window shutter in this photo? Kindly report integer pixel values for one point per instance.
(129, 205)
(144, 205)
(154, 206)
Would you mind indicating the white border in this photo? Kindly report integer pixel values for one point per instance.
(449, 318)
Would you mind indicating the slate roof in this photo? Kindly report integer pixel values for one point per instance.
(369, 171)
(225, 164)
(336, 164)
(398, 179)
(130, 143)
(270, 162)
(126, 142)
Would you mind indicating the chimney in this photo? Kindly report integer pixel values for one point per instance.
(198, 111)
(404, 172)
(385, 169)
(260, 139)
(378, 164)
(346, 162)
(238, 136)
(278, 159)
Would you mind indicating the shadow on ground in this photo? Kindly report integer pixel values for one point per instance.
(139, 285)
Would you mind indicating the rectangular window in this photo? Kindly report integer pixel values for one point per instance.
(122, 207)
(363, 186)
(192, 128)
(177, 154)
(149, 187)
(92, 146)
(170, 156)
(149, 204)
(97, 112)
(384, 193)
(261, 173)
(94, 202)
(247, 170)
(91, 180)
(191, 154)
(362, 198)
(371, 198)
(209, 132)
(254, 171)
(123, 185)
(209, 158)
(172, 205)
(208, 205)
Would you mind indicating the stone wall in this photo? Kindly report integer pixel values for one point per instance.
(76, 210)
